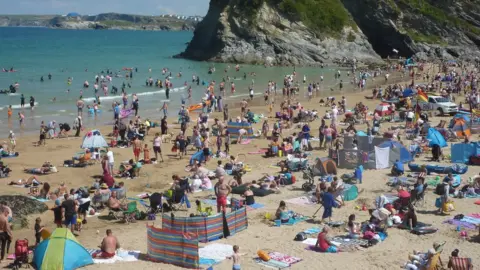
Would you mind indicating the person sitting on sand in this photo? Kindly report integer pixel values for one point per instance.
(324, 243)
(249, 197)
(353, 230)
(32, 180)
(424, 262)
(282, 212)
(108, 247)
(114, 203)
(410, 218)
(83, 158)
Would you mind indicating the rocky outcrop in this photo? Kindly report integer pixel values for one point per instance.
(225, 35)
(102, 21)
(430, 29)
(425, 28)
(22, 207)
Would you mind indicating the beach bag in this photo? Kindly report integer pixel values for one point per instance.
(21, 248)
(440, 189)
(438, 202)
(300, 236)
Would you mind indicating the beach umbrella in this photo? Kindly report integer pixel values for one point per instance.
(93, 139)
(52, 252)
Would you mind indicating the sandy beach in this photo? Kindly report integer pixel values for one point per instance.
(390, 254)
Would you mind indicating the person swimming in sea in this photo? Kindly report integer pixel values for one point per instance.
(41, 79)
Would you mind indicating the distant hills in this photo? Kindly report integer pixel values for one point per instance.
(103, 21)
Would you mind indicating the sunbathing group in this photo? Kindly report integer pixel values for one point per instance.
(44, 169)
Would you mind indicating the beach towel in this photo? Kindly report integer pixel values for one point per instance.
(310, 241)
(246, 141)
(39, 199)
(466, 221)
(121, 256)
(10, 155)
(271, 263)
(313, 230)
(260, 151)
(382, 157)
(304, 200)
(292, 221)
(216, 251)
(255, 206)
(287, 259)
(205, 261)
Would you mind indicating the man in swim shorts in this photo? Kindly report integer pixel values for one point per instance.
(108, 247)
(137, 146)
(222, 190)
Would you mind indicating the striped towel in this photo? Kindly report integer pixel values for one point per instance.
(271, 263)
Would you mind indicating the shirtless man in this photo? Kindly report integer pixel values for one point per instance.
(108, 247)
(222, 190)
(137, 146)
(80, 105)
(114, 203)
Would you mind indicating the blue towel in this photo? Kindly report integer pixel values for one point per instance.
(313, 230)
(382, 235)
(293, 221)
(256, 205)
(205, 261)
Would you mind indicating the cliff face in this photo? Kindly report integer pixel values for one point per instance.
(289, 32)
(227, 35)
(428, 28)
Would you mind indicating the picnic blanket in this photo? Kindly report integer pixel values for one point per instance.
(292, 221)
(121, 256)
(303, 200)
(313, 230)
(280, 257)
(310, 241)
(216, 251)
(271, 263)
(469, 222)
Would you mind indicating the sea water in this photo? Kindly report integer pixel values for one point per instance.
(82, 54)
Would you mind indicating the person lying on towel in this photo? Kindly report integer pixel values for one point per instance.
(108, 247)
(397, 168)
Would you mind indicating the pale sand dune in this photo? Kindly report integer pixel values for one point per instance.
(390, 254)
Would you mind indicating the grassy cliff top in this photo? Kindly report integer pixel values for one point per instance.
(322, 16)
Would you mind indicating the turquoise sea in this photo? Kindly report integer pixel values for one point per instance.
(81, 54)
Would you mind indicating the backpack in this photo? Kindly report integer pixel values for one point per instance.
(440, 189)
(300, 236)
(21, 248)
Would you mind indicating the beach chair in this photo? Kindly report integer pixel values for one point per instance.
(457, 263)
(131, 212)
(179, 200)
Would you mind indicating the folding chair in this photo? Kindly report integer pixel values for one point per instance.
(457, 263)
(179, 198)
(131, 212)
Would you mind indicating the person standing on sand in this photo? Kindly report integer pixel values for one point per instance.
(111, 161)
(157, 143)
(108, 247)
(137, 148)
(5, 232)
(236, 258)
(222, 190)
(225, 113)
(77, 125)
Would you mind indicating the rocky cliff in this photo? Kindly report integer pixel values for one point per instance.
(101, 21)
(309, 32)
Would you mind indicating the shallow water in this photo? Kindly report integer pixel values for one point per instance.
(81, 54)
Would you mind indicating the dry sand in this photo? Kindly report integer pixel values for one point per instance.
(390, 254)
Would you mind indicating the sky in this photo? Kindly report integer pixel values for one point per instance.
(92, 7)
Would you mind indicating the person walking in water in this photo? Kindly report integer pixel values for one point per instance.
(22, 101)
(165, 109)
(80, 105)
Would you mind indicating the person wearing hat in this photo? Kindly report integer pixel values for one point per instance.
(381, 215)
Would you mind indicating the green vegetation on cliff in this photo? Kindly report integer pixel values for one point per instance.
(436, 13)
(322, 16)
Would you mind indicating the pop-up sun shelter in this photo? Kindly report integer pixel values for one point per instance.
(93, 139)
(460, 127)
(324, 166)
(61, 251)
